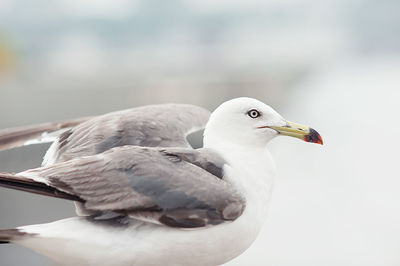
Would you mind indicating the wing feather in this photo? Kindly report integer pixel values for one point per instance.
(135, 180)
(33, 134)
(165, 125)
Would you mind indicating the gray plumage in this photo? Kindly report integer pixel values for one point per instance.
(40, 133)
(165, 125)
(103, 164)
(175, 187)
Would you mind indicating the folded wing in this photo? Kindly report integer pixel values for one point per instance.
(165, 125)
(33, 134)
(177, 188)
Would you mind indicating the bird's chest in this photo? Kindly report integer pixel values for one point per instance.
(219, 244)
(215, 245)
(253, 175)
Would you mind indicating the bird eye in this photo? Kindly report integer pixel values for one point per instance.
(253, 113)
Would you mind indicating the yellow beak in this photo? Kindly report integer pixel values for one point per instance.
(299, 131)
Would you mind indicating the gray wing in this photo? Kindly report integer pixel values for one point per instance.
(175, 187)
(40, 133)
(165, 125)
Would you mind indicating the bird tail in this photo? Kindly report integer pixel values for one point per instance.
(35, 134)
(16, 182)
(9, 235)
(21, 183)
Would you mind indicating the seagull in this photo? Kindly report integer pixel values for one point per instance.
(143, 195)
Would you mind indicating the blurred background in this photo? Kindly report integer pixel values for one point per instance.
(334, 65)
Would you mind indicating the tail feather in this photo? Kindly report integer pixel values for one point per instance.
(9, 235)
(12, 181)
(33, 134)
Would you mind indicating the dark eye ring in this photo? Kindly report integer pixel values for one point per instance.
(253, 113)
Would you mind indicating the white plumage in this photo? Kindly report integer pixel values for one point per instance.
(238, 131)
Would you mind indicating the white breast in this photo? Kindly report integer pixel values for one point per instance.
(77, 241)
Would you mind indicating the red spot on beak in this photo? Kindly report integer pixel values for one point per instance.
(313, 137)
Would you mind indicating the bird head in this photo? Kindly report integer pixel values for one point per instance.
(247, 121)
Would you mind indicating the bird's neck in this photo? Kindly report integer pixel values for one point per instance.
(253, 169)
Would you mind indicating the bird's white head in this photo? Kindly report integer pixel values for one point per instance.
(250, 122)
